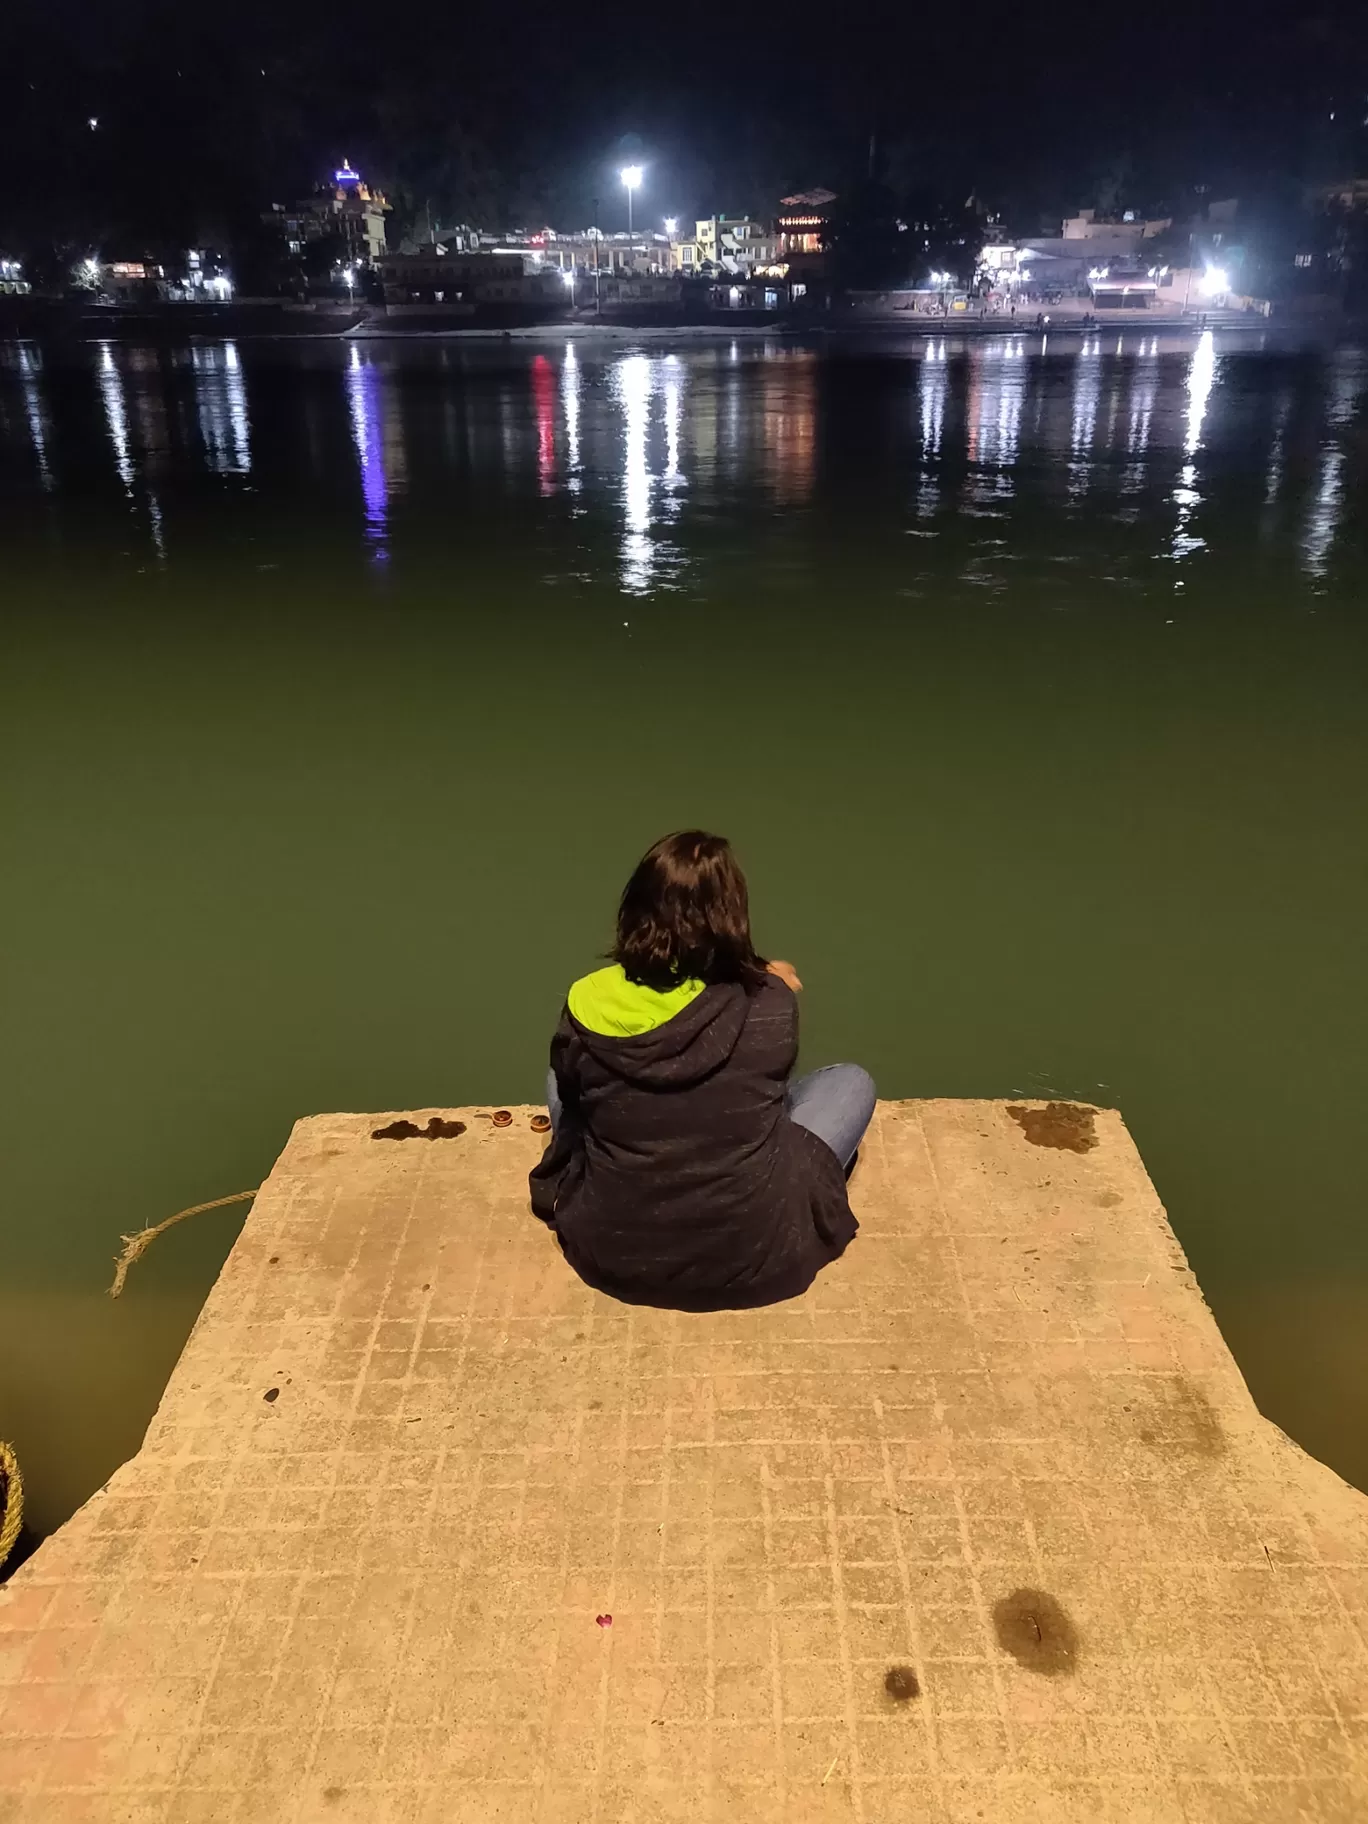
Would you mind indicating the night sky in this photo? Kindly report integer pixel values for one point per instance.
(516, 115)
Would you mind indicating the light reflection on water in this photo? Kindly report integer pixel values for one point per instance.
(934, 382)
(1277, 451)
(570, 400)
(1086, 390)
(649, 393)
(1200, 380)
(661, 440)
(31, 368)
(789, 402)
(544, 397)
(364, 383)
(674, 406)
(1346, 383)
(116, 415)
(632, 385)
(222, 399)
(1144, 385)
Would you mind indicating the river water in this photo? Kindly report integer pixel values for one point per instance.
(343, 683)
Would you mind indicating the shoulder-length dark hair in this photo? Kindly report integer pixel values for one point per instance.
(685, 915)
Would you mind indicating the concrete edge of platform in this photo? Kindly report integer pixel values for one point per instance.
(315, 1140)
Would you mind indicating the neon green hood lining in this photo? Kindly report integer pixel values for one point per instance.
(607, 1003)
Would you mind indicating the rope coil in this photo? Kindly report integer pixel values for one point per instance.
(11, 1499)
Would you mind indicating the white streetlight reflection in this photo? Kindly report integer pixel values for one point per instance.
(1186, 496)
(31, 367)
(570, 396)
(1328, 505)
(116, 417)
(633, 387)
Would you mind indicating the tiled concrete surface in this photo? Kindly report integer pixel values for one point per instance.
(1000, 1443)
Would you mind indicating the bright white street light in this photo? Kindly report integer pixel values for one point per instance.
(1214, 281)
(93, 122)
(631, 177)
(671, 226)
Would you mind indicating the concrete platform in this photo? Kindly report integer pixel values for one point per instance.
(984, 1527)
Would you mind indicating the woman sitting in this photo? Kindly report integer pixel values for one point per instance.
(685, 1169)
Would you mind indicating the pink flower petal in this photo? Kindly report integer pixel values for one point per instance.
(604, 1621)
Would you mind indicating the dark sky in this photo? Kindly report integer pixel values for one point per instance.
(524, 111)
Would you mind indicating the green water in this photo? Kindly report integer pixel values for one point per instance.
(343, 684)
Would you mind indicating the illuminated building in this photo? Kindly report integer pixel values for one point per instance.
(735, 244)
(805, 221)
(437, 277)
(129, 279)
(1050, 267)
(1123, 286)
(436, 280)
(1130, 228)
(346, 209)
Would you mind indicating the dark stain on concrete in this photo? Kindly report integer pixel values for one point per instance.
(436, 1129)
(900, 1682)
(1035, 1630)
(331, 1794)
(1067, 1125)
(1177, 1419)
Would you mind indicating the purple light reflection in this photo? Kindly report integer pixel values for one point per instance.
(364, 385)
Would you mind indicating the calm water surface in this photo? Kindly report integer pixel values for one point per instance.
(344, 682)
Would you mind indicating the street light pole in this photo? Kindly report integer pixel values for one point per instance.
(631, 177)
(598, 304)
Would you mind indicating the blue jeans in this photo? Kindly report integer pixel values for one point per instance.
(835, 1103)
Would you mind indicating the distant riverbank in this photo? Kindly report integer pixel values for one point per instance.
(29, 319)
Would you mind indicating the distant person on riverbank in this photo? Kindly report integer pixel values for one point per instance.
(686, 1170)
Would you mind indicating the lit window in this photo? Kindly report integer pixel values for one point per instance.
(1303, 259)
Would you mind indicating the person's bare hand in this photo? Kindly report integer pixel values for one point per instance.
(787, 974)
